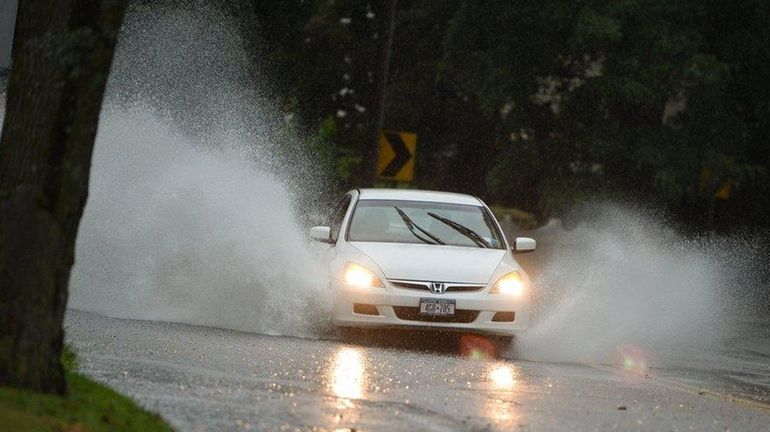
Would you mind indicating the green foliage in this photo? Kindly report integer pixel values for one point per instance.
(540, 105)
(69, 359)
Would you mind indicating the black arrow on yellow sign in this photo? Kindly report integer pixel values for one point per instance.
(396, 155)
(400, 159)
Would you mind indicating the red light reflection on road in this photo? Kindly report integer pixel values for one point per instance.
(633, 359)
(477, 347)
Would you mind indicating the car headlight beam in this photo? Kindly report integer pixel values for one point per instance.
(360, 277)
(511, 283)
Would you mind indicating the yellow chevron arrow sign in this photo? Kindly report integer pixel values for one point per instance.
(396, 155)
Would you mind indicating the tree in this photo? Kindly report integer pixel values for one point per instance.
(386, 11)
(62, 55)
(545, 104)
(661, 101)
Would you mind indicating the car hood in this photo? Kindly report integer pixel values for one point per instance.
(433, 263)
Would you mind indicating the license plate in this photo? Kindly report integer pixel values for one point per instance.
(437, 307)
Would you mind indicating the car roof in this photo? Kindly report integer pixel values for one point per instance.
(418, 195)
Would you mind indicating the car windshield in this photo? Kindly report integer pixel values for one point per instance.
(420, 222)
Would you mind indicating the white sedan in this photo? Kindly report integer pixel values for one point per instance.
(421, 259)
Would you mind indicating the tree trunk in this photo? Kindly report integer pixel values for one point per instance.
(386, 10)
(61, 59)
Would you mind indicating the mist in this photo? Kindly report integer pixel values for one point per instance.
(623, 285)
(192, 210)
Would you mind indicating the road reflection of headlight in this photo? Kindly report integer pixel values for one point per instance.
(502, 377)
(347, 374)
(499, 407)
(499, 410)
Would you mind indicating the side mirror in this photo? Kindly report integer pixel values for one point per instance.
(322, 234)
(524, 245)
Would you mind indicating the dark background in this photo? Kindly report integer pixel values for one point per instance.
(541, 105)
(536, 105)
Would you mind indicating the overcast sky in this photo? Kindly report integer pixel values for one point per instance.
(7, 18)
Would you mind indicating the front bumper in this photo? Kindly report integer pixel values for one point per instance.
(398, 308)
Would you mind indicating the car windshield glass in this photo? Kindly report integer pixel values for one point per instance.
(383, 221)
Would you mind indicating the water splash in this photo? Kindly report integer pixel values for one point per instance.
(3, 86)
(192, 212)
(174, 232)
(623, 282)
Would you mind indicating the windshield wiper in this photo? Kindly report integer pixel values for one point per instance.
(411, 225)
(462, 229)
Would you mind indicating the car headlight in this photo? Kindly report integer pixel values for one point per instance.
(360, 277)
(509, 284)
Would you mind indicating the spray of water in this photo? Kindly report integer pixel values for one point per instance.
(192, 209)
(2, 101)
(624, 287)
(195, 193)
(174, 232)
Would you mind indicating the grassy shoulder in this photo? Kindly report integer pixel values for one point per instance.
(88, 407)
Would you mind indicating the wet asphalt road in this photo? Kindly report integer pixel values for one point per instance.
(210, 379)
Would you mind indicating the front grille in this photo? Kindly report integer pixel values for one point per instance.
(413, 314)
(425, 286)
(410, 285)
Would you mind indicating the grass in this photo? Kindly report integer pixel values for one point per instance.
(88, 407)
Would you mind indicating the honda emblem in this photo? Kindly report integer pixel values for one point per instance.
(437, 287)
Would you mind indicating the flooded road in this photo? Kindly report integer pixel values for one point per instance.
(210, 379)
